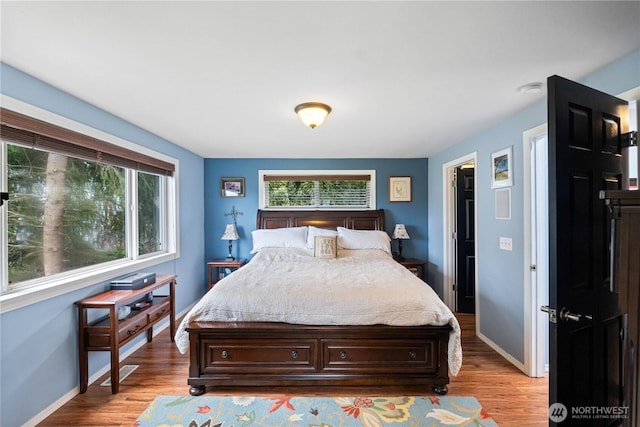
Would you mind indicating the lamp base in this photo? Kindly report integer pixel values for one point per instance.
(399, 256)
(230, 257)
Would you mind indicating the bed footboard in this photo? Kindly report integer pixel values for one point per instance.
(252, 355)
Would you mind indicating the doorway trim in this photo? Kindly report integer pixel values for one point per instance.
(535, 345)
(448, 229)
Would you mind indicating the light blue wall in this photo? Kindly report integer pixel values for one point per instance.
(38, 353)
(38, 343)
(413, 214)
(501, 273)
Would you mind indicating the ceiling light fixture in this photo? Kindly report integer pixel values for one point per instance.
(530, 88)
(312, 114)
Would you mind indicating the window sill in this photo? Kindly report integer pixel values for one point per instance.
(19, 298)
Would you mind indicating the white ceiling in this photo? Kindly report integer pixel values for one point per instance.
(404, 79)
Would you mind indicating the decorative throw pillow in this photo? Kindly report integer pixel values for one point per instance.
(325, 247)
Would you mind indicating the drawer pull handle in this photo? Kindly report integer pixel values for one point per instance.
(412, 354)
(343, 355)
(225, 354)
(294, 354)
(159, 314)
(131, 332)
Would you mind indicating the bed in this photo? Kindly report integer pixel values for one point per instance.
(300, 319)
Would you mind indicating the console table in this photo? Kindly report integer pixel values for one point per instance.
(108, 333)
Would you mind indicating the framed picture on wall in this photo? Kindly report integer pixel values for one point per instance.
(503, 203)
(501, 169)
(399, 188)
(232, 187)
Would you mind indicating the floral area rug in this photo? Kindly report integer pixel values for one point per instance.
(287, 411)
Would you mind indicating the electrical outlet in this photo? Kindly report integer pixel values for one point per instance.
(506, 243)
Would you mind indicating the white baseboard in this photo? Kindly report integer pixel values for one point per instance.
(42, 415)
(52, 408)
(501, 352)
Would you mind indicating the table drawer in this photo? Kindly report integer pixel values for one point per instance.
(258, 356)
(132, 326)
(97, 337)
(373, 356)
(158, 311)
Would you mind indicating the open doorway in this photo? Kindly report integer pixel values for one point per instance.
(536, 274)
(536, 252)
(465, 279)
(459, 234)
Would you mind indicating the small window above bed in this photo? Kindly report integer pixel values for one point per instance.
(317, 189)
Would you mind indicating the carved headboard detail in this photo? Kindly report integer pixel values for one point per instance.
(357, 220)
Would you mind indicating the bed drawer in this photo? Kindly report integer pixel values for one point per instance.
(375, 356)
(258, 356)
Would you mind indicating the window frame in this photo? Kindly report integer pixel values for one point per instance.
(315, 172)
(44, 288)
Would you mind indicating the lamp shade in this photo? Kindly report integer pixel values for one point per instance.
(312, 114)
(230, 233)
(400, 232)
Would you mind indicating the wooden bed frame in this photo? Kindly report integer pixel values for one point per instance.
(264, 356)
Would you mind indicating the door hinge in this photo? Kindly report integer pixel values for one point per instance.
(629, 139)
(455, 287)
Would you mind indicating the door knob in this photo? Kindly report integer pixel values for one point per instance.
(566, 315)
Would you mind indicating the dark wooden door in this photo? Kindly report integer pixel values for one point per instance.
(585, 335)
(465, 233)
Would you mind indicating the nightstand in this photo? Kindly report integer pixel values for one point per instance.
(412, 263)
(214, 267)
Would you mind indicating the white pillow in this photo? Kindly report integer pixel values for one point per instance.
(363, 239)
(293, 237)
(315, 231)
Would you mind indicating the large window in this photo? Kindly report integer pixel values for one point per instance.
(78, 205)
(63, 213)
(324, 189)
(150, 213)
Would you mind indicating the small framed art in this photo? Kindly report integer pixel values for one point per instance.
(399, 188)
(232, 187)
(501, 172)
(503, 203)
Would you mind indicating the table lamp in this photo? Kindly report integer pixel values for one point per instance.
(400, 233)
(230, 234)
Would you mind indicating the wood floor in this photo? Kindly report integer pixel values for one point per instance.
(509, 396)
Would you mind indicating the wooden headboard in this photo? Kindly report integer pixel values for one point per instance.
(357, 220)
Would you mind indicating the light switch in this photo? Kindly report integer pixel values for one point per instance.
(506, 243)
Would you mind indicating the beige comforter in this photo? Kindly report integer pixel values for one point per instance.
(359, 287)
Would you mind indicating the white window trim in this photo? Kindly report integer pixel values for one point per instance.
(78, 279)
(327, 172)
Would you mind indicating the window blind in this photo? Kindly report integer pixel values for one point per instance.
(317, 191)
(38, 134)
